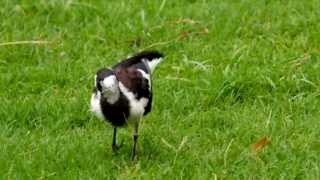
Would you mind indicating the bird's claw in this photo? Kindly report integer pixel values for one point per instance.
(134, 157)
(115, 147)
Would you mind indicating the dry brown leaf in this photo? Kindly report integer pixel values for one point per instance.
(260, 144)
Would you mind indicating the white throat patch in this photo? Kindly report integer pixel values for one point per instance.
(110, 89)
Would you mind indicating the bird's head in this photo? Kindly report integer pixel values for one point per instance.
(109, 86)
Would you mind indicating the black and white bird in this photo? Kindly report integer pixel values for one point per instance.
(123, 94)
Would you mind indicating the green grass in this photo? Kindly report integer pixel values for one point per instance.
(235, 72)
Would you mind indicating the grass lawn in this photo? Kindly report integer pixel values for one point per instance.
(235, 72)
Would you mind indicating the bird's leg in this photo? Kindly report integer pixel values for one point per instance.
(114, 144)
(133, 154)
(135, 139)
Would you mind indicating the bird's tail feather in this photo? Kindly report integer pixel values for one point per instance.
(153, 58)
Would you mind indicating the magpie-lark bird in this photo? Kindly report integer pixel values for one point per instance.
(123, 94)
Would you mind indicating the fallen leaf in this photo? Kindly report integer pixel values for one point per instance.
(260, 144)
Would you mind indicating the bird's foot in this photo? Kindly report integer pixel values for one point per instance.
(134, 157)
(115, 147)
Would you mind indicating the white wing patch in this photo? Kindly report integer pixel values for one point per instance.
(95, 101)
(95, 104)
(136, 106)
